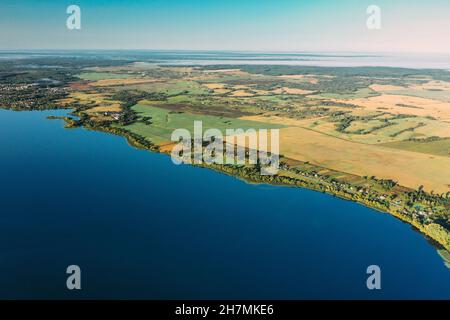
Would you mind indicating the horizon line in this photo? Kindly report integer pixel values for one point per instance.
(373, 53)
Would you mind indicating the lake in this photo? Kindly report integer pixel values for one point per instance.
(202, 58)
(141, 227)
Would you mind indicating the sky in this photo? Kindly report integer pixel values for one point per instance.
(412, 26)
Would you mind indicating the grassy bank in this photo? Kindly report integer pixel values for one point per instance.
(251, 174)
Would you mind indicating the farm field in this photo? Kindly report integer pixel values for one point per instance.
(162, 122)
(378, 136)
(404, 104)
(96, 76)
(371, 129)
(440, 147)
(410, 169)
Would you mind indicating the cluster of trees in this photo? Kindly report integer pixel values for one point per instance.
(36, 83)
(431, 198)
(345, 79)
(344, 120)
(428, 139)
(388, 184)
(129, 98)
(395, 134)
(381, 73)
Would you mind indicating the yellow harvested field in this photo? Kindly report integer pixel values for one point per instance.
(101, 100)
(176, 69)
(241, 87)
(221, 91)
(87, 96)
(275, 119)
(363, 112)
(433, 85)
(277, 91)
(410, 169)
(242, 93)
(114, 107)
(214, 85)
(307, 78)
(223, 71)
(261, 92)
(66, 101)
(100, 118)
(384, 87)
(296, 91)
(286, 90)
(419, 106)
(435, 128)
(167, 147)
(236, 72)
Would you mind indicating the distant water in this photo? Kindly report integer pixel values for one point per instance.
(341, 59)
(141, 227)
(323, 60)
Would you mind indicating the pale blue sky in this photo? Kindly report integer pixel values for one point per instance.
(257, 25)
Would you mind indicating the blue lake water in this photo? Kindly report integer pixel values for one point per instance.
(141, 227)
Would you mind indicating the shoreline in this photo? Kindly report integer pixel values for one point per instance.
(441, 243)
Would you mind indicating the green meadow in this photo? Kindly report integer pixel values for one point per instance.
(440, 95)
(157, 124)
(360, 93)
(440, 147)
(95, 76)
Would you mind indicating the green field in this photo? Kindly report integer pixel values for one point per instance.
(95, 76)
(439, 147)
(388, 152)
(171, 88)
(364, 126)
(164, 122)
(439, 95)
(360, 93)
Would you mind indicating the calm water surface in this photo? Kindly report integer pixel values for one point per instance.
(141, 227)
